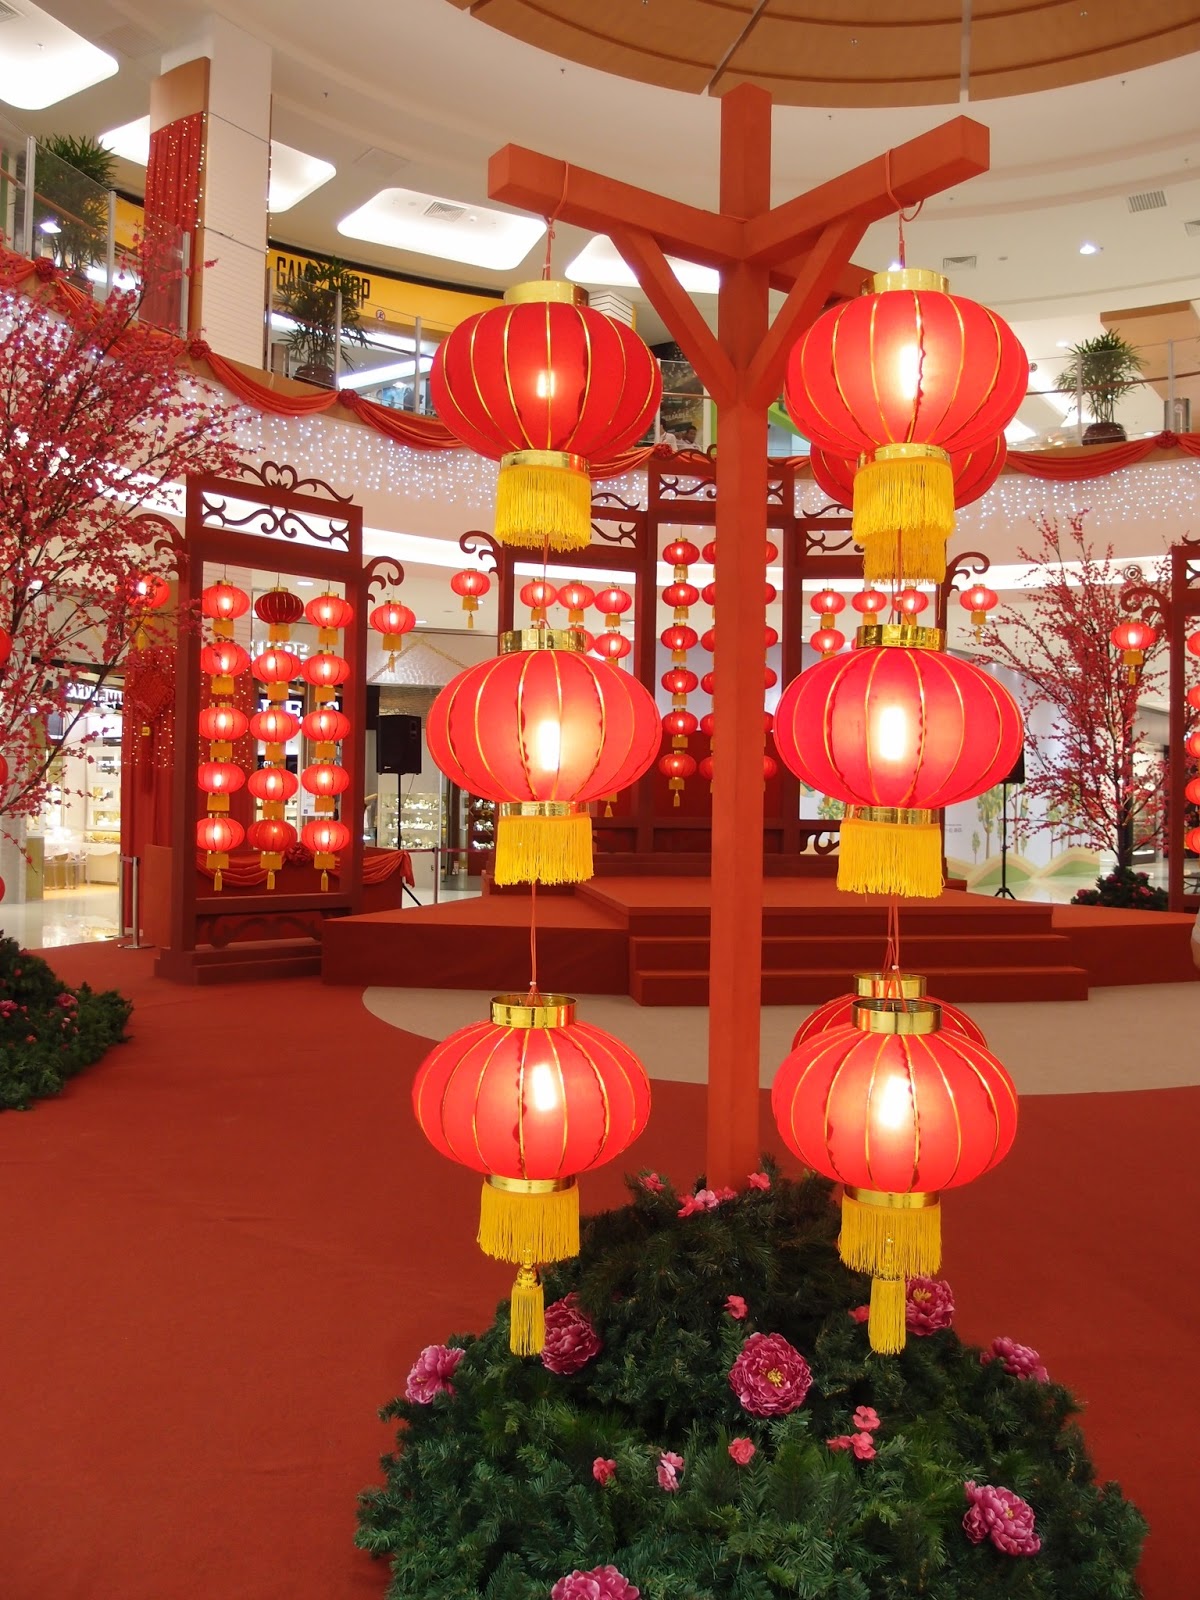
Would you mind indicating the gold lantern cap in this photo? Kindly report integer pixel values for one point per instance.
(901, 635)
(906, 278)
(897, 1016)
(889, 985)
(546, 291)
(518, 639)
(526, 1011)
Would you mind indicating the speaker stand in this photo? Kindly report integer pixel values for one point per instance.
(1004, 892)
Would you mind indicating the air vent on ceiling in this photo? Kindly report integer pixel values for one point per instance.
(1150, 200)
(130, 41)
(379, 163)
(1192, 227)
(440, 211)
(7, 13)
(958, 263)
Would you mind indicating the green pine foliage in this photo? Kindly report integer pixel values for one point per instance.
(49, 1032)
(490, 1492)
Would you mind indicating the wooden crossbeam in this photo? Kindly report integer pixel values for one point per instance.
(679, 311)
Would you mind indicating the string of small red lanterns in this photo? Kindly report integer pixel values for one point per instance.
(676, 765)
(325, 778)
(220, 724)
(828, 639)
(1191, 747)
(612, 603)
(274, 727)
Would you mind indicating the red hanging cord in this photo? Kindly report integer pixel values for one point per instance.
(901, 218)
(553, 217)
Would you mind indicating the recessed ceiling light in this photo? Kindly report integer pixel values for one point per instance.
(304, 583)
(294, 176)
(44, 61)
(1089, 249)
(599, 263)
(428, 225)
(131, 141)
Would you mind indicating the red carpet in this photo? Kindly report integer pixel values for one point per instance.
(225, 1245)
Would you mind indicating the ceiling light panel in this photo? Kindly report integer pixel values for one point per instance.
(42, 61)
(131, 141)
(599, 263)
(294, 176)
(433, 225)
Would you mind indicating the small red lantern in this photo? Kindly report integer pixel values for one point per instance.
(531, 1099)
(276, 668)
(543, 384)
(895, 1108)
(903, 376)
(472, 585)
(222, 725)
(1193, 644)
(577, 597)
(827, 604)
(274, 728)
(709, 682)
(326, 781)
(223, 662)
(217, 836)
(326, 726)
(1133, 638)
(279, 609)
(896, 729)
(326, 673)
(611, 646)
(328, 613)
(891, 985)
(1193, 697)
(537, 594)
(150, 591)
(679, 724)
(1192, 745)
(828, 641)
(680, 595)
(978, 600)
(680, 553)
(393, 620)
(676, 767)
(679, 637)
(326, 837)
(542, 730)
(224, 603)
(679, 680)
(1192, 792)
(910, 603)
(708, 640)
(869, 602)
(272, 786)
(613, 603)
(5, 645)
(219, 779)
(271, 838)
(770, 678)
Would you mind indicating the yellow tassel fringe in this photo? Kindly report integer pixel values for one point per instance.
(527, 1315)
(903, 858)
(536, 504)
(544, 849)
(918, 555)
(912, 497)
(529, 1227)
(891, 1241)
(885, 1325)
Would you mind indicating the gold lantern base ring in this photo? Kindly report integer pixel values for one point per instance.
(894, 1237)
(904, 513)
(544, 497)
(543, 841)
(886, 850)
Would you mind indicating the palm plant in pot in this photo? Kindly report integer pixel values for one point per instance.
(1104, 369)
(310, 300)
(72, 178)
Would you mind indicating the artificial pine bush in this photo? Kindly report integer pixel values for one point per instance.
(47, 1031)
(636, 1463)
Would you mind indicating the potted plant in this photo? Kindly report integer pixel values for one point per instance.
(1104, 368)
(310, 300)
(72, 178)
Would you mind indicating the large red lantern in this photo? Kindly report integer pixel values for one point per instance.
(471, 585)
(543, 384)
(531, 1098)
(895, 1108)
(279, 609)
(901, 377)
(890, 985)
(896, 729)
(393, 620)
(542, 730)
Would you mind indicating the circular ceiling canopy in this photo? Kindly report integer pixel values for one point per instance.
(854, 52)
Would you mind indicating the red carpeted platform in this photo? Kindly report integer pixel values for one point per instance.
(225, 1245)
(648, 937)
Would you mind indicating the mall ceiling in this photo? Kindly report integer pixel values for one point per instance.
(419, 94)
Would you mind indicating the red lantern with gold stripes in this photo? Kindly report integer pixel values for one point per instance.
(393, 620)
(471, 585)
(544, 384)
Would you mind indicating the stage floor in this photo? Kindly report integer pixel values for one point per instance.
(648, 937)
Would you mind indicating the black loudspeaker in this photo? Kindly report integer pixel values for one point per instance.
(1017, 775)
(398, 744)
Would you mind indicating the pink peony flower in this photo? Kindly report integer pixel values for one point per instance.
(702, 1200)
(571, 1340)
(759, 1180)
(736, 1307)
(1001, 1516)
(652, 1181)
(742, 1451)
(929, 1306)
(431, 1374)
(669, 1467)
(866, 1418)
(8, 1008)
(603, 1470)
(601, 1583)
(842, 1442)
(860, 1313)
(1018, 1360)
(863, 1446)
(770, 1377)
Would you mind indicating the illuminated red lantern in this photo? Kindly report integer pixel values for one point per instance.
(706, 769)
(708, 682)
(613, 603)
(326, 837)
(769, 593)
(679, 680)
(1192, 791)
(280, 609)
(219, 779)
(5, 645)
(1133, 638)
(903, 376)
(3, 770)
(326, 673)
(542, 730)
(531, 1098)
(978, 600)
(149, 591)
(680, 595)
(222, 724)
(676, 767)
(770, 636)
(274, 726)
(1193, 697)
(326, 781)
(828, 641)
(679, 637)
(326, 725)
(472, 585)
(276, 668)
(910, 603)
(896, 730)
(223, 661)
(217, 836)
(896, 1109)
(577, 597)
(770, 767)
(271, 838)
(1192, 745)
(393, 620)
(1193, 644)
(679, 724)
(869, 602)
(891, 985)
(770, 678)
(708, 640)
(543, 384)
(827, 603)
(224, 603)
(272, 785)
(611, 646)
(1191, 841)
(537, 594)
(328, 613)
(680, 553)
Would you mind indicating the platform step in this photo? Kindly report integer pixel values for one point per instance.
(241, 963)
(842, 922)
(810, 988)
(803, 953)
